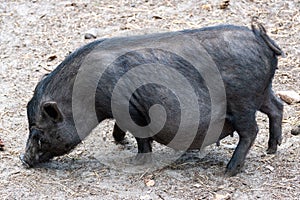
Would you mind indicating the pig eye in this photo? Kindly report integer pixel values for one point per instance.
(32, 127)
(42, 143)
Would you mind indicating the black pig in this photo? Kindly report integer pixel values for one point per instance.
(246, 60)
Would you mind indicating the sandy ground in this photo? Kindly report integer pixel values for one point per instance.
(35, 36)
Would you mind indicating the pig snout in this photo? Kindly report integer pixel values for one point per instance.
(30, 157)
(24, 161)
(33, 154)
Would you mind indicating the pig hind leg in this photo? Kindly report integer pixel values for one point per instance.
(273, 107)
(246, 127)
(144, 146)
(144, 154)
(118, 134)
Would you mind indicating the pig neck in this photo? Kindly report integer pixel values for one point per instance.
(59, 86)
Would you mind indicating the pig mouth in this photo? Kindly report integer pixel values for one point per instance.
(24, 162)
(37, 159)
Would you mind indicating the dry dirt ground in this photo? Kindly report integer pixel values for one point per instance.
(35, 36)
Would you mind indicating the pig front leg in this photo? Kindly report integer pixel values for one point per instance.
(144, 154)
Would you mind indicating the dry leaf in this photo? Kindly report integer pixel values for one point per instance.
(207, 7)
(145, 197)
(51, 58)
(224, 4)
(222, 197)
(150, 183)
(269, 167)
(156, 17)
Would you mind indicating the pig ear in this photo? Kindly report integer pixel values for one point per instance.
(51, 110)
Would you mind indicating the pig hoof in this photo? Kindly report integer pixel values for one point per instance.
(119, 138)
(141, 159)
(25, 164)
(232, 169)
(230, 173)
(189, 156)
(272, 150)
(273, 146)
(118, 134)
(121, 142)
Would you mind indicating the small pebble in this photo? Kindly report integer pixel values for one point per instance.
(296, 130)
(91, 34)
(150, 183)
